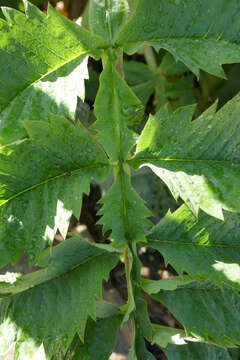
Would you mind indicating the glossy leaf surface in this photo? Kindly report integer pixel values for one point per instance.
(107, 17)
(188, 29)
(205, 248)
(198, 160)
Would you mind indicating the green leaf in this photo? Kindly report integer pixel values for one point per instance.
(170, 82)
(107, 17)
(138, 349)
(41, 184)
(72, 281)
(101, 337)
(207, 248)
(43, 67)
(53, 263)
(106, 309)
(174, 84)
(129, 220)
(153, 192)
(206, 312)
(177, 93)
(141, 79)
(142, 319)
(130, 264)
(170, 67)
(196, 352)
(164, 335)
(198, 160)
(116, 107)
(154, 286)
(188, 30)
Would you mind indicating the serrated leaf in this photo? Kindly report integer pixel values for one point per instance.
(205, 311)
(41, 184)
(43, 67)
(116, 107)
(37, 314)
(100, 340)
(54, 262)
(123, 212)
(188, 30)
(107, 17)
(198, 160)
(207, 248)
(196, 352)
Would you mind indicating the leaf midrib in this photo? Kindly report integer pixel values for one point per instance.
(229, 162)
(46, 181)
(47, 277)
(125, 214)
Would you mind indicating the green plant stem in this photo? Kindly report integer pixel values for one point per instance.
(128, 266)
(120, 65)
(149, 57)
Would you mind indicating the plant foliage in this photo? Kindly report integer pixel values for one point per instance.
(48, 160)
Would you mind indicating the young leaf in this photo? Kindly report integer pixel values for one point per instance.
(206, 312)
(198, 160)
(123, 212)
(116, 107)
(41, 184)
(43, 67)
(38, 315)
(188, 30)
(207, 248)
(107, 17)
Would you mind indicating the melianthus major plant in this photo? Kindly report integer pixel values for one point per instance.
(47, 162)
